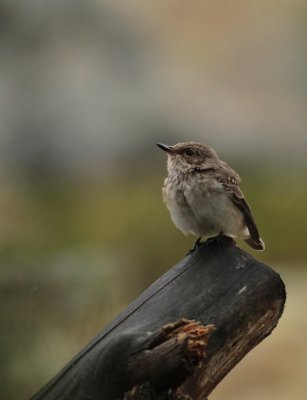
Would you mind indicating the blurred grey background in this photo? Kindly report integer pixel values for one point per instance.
(86, 90)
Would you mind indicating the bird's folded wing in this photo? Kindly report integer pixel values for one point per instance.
(242, 204)
(230, 180)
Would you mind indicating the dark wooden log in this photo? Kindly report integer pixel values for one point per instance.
(218, 284)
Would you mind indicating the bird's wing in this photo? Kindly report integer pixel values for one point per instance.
(230, 180)
(242, 204)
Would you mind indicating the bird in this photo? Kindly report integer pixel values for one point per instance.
(203, 196)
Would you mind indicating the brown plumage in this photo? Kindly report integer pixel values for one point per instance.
(203, 195)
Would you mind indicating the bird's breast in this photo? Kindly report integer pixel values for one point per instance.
(176, 202)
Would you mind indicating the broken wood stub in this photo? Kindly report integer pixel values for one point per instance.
(218, 284)
(171, 354)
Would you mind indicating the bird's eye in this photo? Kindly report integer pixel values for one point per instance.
(190, 152)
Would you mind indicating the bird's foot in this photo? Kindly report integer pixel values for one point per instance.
(215, 239)
(196, 245)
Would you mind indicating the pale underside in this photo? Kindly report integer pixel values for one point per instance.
(203, 210)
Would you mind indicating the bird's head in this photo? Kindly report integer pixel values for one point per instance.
(188, 156)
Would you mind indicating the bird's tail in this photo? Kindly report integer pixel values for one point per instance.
(259, 245)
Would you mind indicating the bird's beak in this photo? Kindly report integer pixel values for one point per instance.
(165, 147)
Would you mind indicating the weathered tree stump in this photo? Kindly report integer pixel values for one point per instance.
(182, 335)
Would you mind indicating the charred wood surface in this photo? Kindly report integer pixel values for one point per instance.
(180, 337)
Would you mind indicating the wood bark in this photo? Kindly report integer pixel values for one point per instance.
(182, 335)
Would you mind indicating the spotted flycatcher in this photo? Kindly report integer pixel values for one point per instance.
(203, 196)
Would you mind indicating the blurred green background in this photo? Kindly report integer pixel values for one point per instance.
(87, 89)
